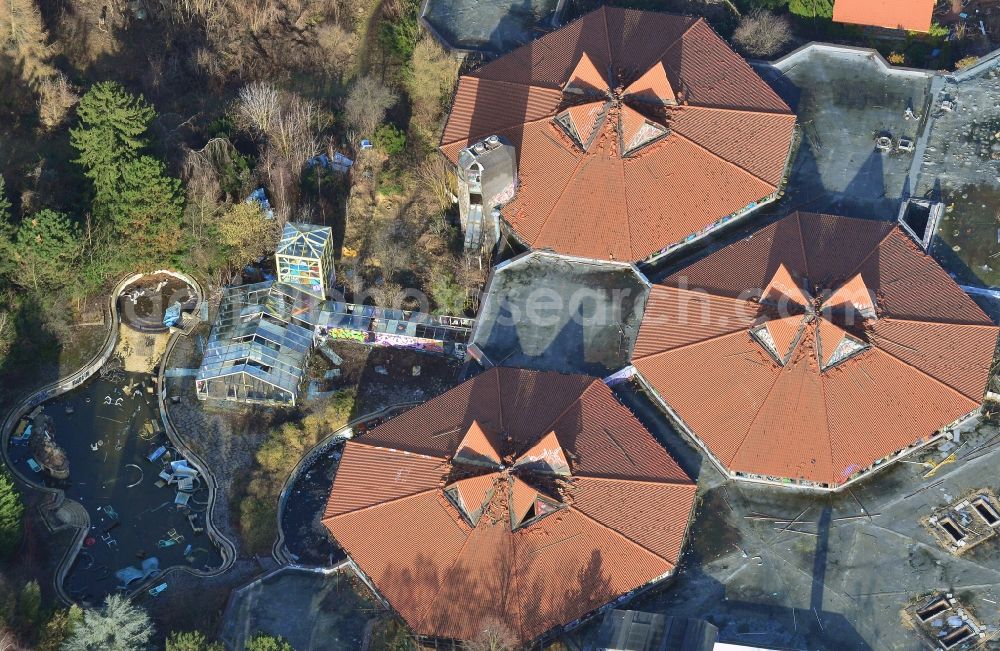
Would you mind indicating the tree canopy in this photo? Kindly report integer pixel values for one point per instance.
(119, 625)
(112, 131)
(11, 514)
(45, 251)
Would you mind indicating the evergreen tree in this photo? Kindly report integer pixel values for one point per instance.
(147, 214)
(119, 625)
(112, 131)
(58, 628)
(46, 250)
(11, 512)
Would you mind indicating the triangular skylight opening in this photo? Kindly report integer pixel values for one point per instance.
(637, 131)
(779, 336)
(471, 494)
(582, 122)
(836, 345)
(546, 457)
(527, 505)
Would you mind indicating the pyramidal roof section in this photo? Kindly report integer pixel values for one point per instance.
(473, 493)
(546, 456)
(784, 333)
(854, 293)
(653, 86)
(476, 449)
(784, 287)
(586, 120)
(587, 78)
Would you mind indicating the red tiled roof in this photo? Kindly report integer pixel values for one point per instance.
(658, 169)
(911, 355)
(588, 506)
(912, 15)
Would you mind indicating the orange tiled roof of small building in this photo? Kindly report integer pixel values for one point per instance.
(679, 132)
(887, 350)
(585, 505)
(912, 15)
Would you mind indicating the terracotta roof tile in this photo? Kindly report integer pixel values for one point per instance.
(912, 15)
(783, 288)
(757, 142)
(785, 333)
(677, 317)
(653, 86)
(476, 447)
(603, 202)
(616, 524)
(385, 475)
(546, 456)
(917, 365)
(587, 78)
(853, 294)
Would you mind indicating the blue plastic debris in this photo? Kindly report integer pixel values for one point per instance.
(367, 144)
(258, 196)
(339, 163)
(34, 465)
(156, 454)
(172, 316)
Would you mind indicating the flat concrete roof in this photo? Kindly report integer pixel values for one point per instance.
(844, 98)
(312, 610)
(550, 312)
(821, 573)
(961, 167)
(493, 26)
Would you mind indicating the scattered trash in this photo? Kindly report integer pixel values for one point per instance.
(259, 196)
(381, 370)
(158, 590)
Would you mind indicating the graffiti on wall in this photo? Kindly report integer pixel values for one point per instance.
(413, 343)
(345, 334)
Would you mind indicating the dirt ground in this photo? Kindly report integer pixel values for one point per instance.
(140, 351)
(382, 376)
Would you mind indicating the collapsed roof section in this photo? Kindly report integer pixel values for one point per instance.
(821, 345)
(532, 498)
(633, 131)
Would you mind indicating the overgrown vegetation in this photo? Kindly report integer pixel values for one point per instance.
(11, 512)
(284, 446)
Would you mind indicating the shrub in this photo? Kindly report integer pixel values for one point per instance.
(762, 34)
(897, 58)
(811, 8)
(191, 641)
(282, 449)
(390, 139)
(966, 62)
(367, 103)
(262, 642)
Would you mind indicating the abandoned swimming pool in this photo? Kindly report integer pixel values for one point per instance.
(103, 445)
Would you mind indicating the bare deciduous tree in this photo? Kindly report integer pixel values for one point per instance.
(257, 107)
(493, 636)
(367, 103)
(56, 96)
(762, 34)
